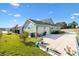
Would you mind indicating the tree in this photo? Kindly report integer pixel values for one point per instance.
(24, 36)
(63, 25)
(72, 24)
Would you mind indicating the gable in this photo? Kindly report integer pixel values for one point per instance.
(29, 26)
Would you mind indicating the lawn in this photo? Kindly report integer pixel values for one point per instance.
(12, 45)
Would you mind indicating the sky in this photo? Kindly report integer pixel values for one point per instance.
(17, 13)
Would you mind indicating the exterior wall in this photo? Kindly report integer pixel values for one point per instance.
(55, 28)
(31, 28)
(20, 29)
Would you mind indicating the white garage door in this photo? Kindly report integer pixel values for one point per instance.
(41, 30)
(47, 30)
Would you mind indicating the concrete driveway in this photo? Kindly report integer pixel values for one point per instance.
(61, 41)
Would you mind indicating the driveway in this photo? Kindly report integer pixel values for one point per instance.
(61, 41)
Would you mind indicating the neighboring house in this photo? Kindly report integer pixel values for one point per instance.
(4, 30)
(16, 29)
(19, 29)
(34, 26)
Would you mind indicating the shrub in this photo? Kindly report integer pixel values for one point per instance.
(24, 35)
(0, 34)
(57, 32)
(61, 32)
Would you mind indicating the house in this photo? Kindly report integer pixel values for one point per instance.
(16, 29)
(4, 30)
(36, 27)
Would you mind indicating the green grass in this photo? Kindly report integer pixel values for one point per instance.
(11, 45)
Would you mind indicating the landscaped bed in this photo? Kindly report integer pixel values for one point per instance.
(57, 32)
(12, 45)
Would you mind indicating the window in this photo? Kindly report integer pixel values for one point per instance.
(28, 27)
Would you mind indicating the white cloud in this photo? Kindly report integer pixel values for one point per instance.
(15, 4)
(75, 14)
(17, 15)
(72, 17)
(4, 11)
(38, 19)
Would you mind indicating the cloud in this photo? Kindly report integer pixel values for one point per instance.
(15, 4)
(4, 11)
(75, 14)
(38, 19)
(17, 15)
(72, 17)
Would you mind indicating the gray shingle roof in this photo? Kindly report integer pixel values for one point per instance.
(40, 22)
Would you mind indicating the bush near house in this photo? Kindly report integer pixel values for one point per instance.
(57, 32)
(24, 36)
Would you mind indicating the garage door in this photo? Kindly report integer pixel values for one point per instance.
(47, 30)
(41, 30)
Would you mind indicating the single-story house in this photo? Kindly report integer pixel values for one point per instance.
(16, 29)
(36, 27)
(4, 30)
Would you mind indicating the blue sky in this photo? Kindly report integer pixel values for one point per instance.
(15, 13)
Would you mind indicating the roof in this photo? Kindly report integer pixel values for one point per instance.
(40, 22)
(48, 20)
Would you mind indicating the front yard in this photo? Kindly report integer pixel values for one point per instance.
(11, 45)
